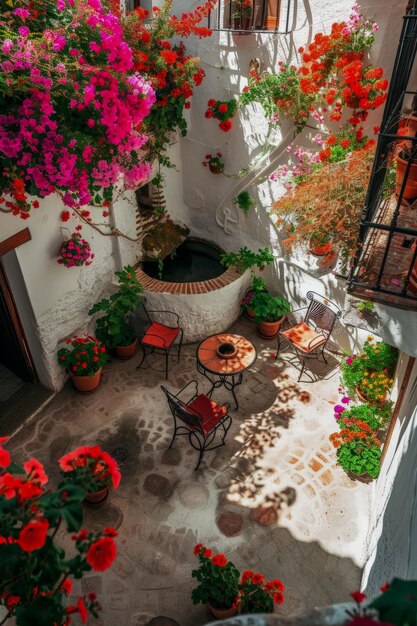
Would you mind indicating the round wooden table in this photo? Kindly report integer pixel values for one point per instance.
(222, 371)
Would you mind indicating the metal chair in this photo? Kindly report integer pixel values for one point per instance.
(161, 339)
(198, 418)
(309, 337)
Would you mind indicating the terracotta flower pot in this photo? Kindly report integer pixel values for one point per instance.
(269, 330)
(215, 169)
(319, 249)
(250, 313)
(126, 352)
(410, 190)
(242, 23)
(362, 478)
(86, 384)
(223, 613)
(97, 497)
(364, 398)
(411, 125)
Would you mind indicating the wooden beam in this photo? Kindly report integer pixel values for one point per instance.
(14, 241)
(398, 404)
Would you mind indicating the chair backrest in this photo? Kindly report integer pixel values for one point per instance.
(179, 409)
(321, 313)
(140, 320)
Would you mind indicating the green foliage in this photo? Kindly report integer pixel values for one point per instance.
(360, 457)
(398, 604)
(376, 357)
(113, 327)
(160, 268)
(244, 201)
(218, 584)
(246, 259)
(366, 306)
(269, 308)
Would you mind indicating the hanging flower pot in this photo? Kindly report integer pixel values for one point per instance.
(318, 247)
(75, 252)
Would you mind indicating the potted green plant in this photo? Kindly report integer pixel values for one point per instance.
(83, 358)
(218, 583)
(269, 313)
(113, 328)
(258, 285)
(257, 595)
(358, 452)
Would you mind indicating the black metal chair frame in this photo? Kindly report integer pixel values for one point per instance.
(316, 310)
(166, 350)
(191, 422)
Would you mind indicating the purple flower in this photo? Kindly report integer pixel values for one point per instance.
(338, 408)
(345, 400)
(349, 361)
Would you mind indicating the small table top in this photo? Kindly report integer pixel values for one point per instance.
(212, 362)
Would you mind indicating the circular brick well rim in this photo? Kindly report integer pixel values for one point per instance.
(203, 286)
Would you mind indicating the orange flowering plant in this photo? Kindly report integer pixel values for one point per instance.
(83, 356)
(218, 579)
(257, 595)
(327, 205)
(36, 574)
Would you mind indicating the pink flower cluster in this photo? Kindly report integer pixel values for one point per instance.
(74, 120)
(75, 252)
(302, 164)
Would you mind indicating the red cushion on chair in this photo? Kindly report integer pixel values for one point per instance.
(160, 336)
(211, 412)
(304, 337)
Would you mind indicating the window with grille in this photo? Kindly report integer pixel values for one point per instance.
(245, 16)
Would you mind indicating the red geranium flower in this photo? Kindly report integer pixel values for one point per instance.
(4, 455)
(225, 126)
(66, 586)
(65, 215)
(211, 102)
(33, 535)
(219, 559)
(101, 554)
(358, 596)
(198, 548)
(35, 471)
(82, 610)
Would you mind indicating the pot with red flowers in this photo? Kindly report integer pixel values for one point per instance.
(83, 358)
(93, 469)
(38, 563)
(214, 163)
(75, 252)
(258, 595)
(218, 580)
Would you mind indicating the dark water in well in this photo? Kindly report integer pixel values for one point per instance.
(193, 260)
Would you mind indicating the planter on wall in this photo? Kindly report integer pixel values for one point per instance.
(86, 384)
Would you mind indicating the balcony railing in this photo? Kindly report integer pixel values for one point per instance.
(251, 16)
(385, 268)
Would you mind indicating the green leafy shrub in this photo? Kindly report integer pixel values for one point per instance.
(269, 308)
(398, 604)
(375, 416)
(113, 327)
(244, 201)
(246, 259)
(360, 457)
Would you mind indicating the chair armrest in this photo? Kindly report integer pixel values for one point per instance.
(192, 382)
(176, 316)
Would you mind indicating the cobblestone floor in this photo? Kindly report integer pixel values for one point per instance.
(273, 498)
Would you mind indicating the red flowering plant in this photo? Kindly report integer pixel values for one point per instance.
(214, 163)
(91, 468)
(36, 572)
(74, 103)
(75, 252)
(396, 606)
(222, 110)
(257, 595)
(83, 356)
(218, 579)
(172, 73)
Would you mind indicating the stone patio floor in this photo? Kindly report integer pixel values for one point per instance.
(272, 499)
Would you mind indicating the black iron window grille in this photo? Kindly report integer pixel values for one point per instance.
(385, 268)
(251, 16)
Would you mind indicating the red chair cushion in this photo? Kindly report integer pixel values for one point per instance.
(160, 336)
(304, 337)
(210, 412)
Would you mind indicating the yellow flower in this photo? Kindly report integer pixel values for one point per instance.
(370, 338)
